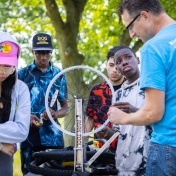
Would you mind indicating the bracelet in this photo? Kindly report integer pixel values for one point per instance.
(1, 146)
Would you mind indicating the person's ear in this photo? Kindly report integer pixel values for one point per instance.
(145, 15)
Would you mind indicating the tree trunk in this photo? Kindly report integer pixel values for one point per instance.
(66, 35)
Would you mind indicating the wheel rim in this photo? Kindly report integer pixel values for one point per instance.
(79, 72)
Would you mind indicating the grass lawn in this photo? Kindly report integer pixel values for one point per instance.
(17, 164)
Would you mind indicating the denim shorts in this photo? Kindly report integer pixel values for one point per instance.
(161, 160)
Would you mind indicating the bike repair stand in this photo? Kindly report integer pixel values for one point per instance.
(81, 167)
(79, 150)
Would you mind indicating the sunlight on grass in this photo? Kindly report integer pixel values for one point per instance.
(17, 164)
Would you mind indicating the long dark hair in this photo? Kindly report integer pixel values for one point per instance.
(7, 86)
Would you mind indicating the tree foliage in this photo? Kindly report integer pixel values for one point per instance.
(82, 30)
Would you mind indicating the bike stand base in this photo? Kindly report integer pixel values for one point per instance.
(80, 173)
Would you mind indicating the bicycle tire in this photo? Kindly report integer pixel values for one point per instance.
(61, 155)
(78, 67)
(48, 171)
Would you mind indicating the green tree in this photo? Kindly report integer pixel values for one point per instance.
(82, 30)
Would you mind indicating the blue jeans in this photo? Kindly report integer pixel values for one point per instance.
(161, 160)
(6, 164)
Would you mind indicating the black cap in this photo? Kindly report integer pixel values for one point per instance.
(42, 41)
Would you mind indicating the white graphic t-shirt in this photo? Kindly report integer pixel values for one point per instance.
(132, 147)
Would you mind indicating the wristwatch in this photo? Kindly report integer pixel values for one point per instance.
(1, 146)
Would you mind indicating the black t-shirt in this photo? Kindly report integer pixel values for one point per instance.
(119, 86)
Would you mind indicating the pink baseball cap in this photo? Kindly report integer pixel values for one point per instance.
(9, 53)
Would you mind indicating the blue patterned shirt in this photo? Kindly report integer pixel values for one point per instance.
(38, 81)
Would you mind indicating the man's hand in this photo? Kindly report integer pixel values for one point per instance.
(115, 115)
(44, 115)
(36, 122)
(105, 133)
(8, 149)
(125, 107)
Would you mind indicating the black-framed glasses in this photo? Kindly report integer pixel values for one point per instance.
(128, 27)
(42, 52)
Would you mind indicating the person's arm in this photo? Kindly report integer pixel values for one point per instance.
(88, 126)
(64, 109)
(8, 149)
(17, 129)
(152, 111)
(105, 133)
(89, 122)
(57, 114)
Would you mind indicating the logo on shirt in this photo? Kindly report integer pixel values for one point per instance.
(172, 42)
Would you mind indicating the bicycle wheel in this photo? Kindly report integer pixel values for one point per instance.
(39, 167)
(80, 81)
(61, 162)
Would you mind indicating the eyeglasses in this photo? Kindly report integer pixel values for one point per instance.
(6, 70)
(43, 52)
(129, 26)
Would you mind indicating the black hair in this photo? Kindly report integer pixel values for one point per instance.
(134, 7)
(7, 86)
(112, 51)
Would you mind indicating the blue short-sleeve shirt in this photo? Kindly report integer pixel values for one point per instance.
(158, 71)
